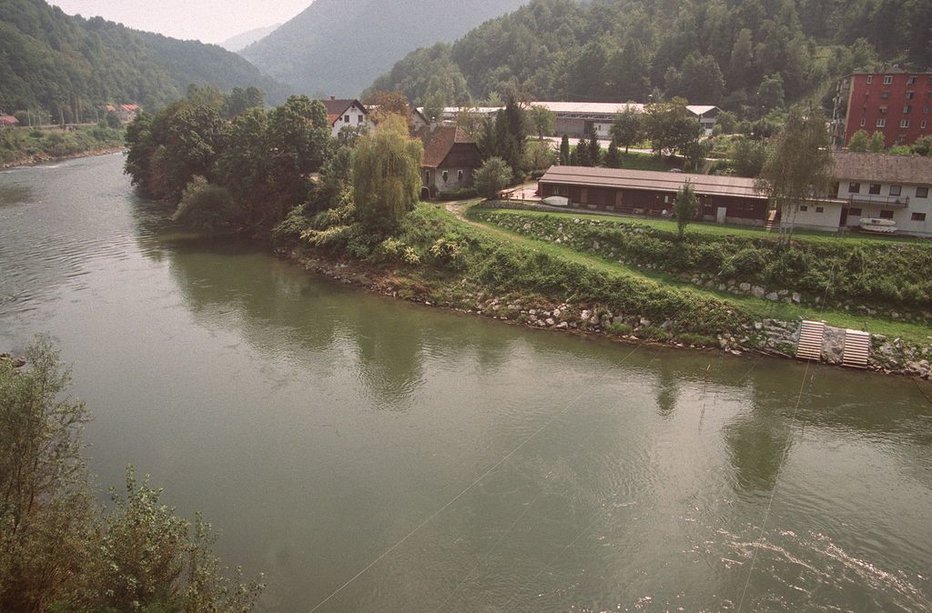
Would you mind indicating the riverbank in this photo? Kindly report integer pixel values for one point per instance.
(30, 147)
(770, 337)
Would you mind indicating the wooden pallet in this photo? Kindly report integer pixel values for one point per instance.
(857, 348)
(809, 347)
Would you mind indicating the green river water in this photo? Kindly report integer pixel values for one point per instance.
(373, 455)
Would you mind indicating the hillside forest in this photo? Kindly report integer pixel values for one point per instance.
(746, 56)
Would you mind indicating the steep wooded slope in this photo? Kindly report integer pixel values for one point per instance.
(68, 65)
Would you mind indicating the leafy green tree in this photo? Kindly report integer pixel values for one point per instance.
(493, 176)
(748, 156)
(877, 143)
(670, 126)
(859, 142)
(386, 175)
(565, 150)
(923, 146)
(434, 104)
(538, 156)
(46, 535)
(799, 165)
(208, 208)
(543, 120)
(685, 208)
(628, 128)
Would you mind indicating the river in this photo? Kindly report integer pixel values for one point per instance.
(373, 455)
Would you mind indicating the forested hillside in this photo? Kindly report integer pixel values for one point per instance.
(67, 66)
(744, 55)
(337, 47)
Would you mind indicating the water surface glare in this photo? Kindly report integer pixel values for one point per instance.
(372, 455)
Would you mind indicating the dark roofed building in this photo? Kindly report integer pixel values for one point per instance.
(722, 198)
(451, 157)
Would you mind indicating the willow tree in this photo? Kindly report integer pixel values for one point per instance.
(799, 165)
(386, 175)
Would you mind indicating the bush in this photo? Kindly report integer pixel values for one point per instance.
(207, 208)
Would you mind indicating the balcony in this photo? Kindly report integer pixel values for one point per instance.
(878, 200)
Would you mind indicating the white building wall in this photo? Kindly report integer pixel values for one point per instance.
(352, 117)
(823, 216)
(913, 213)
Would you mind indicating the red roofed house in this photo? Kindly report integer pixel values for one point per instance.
(343, 113)
(451, 157)
(8, 121)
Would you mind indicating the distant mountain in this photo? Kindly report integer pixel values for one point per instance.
(69, 65)
(244, 39)
(337, 47)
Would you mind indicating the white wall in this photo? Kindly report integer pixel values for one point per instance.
(356, 118)
(902, 215)
(825, 216)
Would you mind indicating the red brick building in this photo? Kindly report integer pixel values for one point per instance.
(895, 103)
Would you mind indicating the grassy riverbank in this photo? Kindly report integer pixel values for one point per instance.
(23, 146)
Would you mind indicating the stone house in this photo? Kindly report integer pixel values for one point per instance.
(451, 157)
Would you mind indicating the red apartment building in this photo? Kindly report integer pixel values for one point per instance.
(895, 103)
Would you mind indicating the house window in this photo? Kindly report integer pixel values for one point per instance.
(922, 192)
(925, 110)
(854, 188)
(886, 214)
(896, 190)
(359, 119)
(922, 124)
(887, 79)
(884, 95)
(881, 123)
(445, 175)
(870, 78)
(910, 80)
(346, 119)
(918, 217)
(863, 122)
(882, 110)
(874, 188)
(820, 209)
(907, 110)
(904, 123)
(854, 212)
(909, 95)
(803, 208)
(459, 176)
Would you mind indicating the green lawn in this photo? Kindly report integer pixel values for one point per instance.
(759, 307)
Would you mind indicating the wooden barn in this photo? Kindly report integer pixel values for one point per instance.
(642, 192)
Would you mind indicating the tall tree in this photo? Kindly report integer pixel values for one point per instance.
(386, 175)
(565, 150)
(670, 126)
(685, 208)
(492, 177)
(628, 128)
(799, 165)
(543, 120)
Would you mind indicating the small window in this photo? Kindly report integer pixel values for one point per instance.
(445, 175)
(886, 214)
(896, 190)
(881, 123)
(870, 78)
(907, 110)
(904, 123)
(918, 217)
(910, 80)
(925, 110)
(884, 95)
(820, 209)
(459, 176)
(923, 124)
(887, 79)
(346, 118)
(852, 212)
(874, 188)
(922, 192)
(882, 110)
(909, 95)
(359, 119)
(863, 122)
(803, 208)
(854, 188)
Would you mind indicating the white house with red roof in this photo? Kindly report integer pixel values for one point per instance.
(342, 113)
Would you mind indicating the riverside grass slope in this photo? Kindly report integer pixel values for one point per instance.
(497, 221)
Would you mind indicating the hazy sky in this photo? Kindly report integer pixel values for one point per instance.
(210, 21)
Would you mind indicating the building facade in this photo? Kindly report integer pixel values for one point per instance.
(722, 199)
(896, 104)
(342, 113)
(450, 160)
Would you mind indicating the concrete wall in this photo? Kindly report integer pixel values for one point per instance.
(826, 217)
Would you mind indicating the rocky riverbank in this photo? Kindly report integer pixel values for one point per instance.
(768, 336)
(45, 158)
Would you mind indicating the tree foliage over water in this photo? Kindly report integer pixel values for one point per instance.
(58, 552)
(745, 55)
